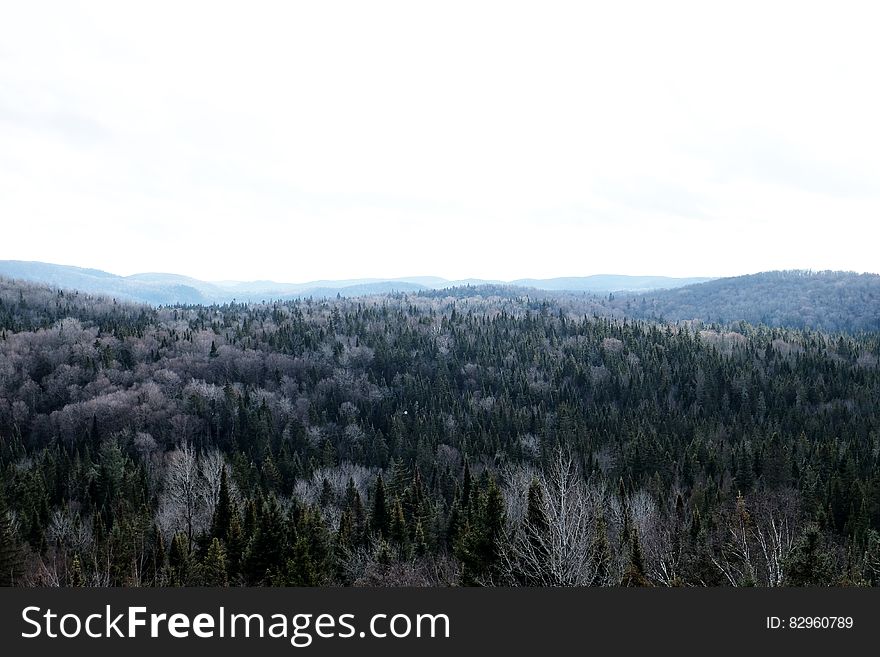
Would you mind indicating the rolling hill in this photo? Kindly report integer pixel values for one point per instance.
(168, 288)
(828, 300)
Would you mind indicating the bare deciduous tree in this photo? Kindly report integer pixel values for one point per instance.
(185, 497)
(564, 551)
(758, 544)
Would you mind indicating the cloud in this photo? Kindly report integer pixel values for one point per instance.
(762, 156)
(502, 140)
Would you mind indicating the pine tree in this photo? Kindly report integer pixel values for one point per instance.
(328, 495)
(380, 520)
(466, 486)
(223, 511)
(344, 541)
(810, 563)
(214, 565)
(537, 530)
(355, 505)
(265, 553)
(329, 456)
(383, 553)
(76, 572)
(398, 531)
(481, 541)
(602, 552)
(310, 564)
(420, 545)
(454, 524)
(271, 474)
(635, 573)
(179, 560)
(235, 547)
(398, 477)
(494, 518)
(251, 517)
(36, 536)
(300, 567)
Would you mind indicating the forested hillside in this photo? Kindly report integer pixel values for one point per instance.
(830, 301)
(478, 437)
(169, 289)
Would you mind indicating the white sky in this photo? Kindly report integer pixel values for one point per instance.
(298, 141)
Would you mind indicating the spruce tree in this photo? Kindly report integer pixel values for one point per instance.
(635, 573)
(494, 518)
(214, 565)
(235, 547)
(76, 573)
(810, 562)
(344, 541)
(420, 544)
(328, 495)
(179, 560)
(265, 553)
(602, 552)
(360, 523)
(399, 532)
(223, 511)
(537, 531)
(466, 486)
(480, 543)
(310, 564)
(380, 520)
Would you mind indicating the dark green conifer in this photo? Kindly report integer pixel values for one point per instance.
(224, 509)
(380, 520)
(214, 565)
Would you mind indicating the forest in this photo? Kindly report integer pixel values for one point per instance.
(826, 300)
(481, 436)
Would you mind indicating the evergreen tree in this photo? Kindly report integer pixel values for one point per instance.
(810, 563)
(235, 547)
(380, 521)
(179, 560)
(494, 516)
(309, 564)
(481, 541)
(327, 496)
(602, 552)
(214, 565)
(265, 552)
(223, 510)
(537, 530)
(344, 542)
(420, 544)
(76, 572)
(635, 573)
(466, 486)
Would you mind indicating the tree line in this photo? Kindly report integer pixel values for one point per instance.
(476, 437)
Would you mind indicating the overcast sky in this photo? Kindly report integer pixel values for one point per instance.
(296, 141)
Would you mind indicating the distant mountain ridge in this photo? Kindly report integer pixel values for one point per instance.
(827, 300)
(158, 288)
(603, 283)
